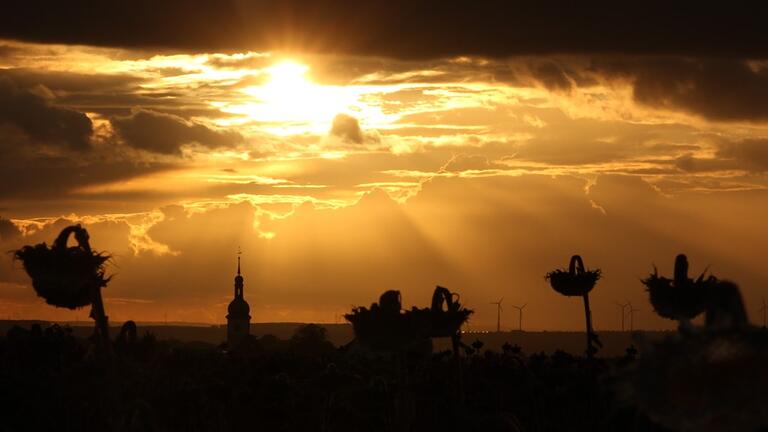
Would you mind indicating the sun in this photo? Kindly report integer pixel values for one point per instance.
(287, 74)
(290, 102)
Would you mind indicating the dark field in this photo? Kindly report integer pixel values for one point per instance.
(292, 378)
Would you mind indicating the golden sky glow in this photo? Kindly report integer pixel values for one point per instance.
(343, 176)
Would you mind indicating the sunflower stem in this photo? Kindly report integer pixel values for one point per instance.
(459, 389)
(588, 316)
(102, 322)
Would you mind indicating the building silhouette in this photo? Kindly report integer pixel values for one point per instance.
(238, 316)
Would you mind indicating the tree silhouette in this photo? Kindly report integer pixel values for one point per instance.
(578, 281)
(69, 277)
(311, 340)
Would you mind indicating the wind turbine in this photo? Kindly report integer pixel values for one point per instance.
(763, 309)
(623, 307)
(520, 315)
(498, 313)
(632, 311)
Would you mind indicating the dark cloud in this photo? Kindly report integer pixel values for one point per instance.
(690, 163)
(747, 155)
(42, 121)
(721, 89)
(347, 128)
(751, 154)
(68, 82)
(165, 134)
(47, 151)
(8, 230)
(553, 77)
(30, 177)
(558, 74)
(405, 29)
(7, 51)
(103, 93)
(717, 89)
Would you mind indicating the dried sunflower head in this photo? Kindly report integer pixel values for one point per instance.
(65, 276)
(576, 280)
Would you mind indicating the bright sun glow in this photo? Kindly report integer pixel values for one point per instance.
(293, 103)
(287, 74)
(289, 102)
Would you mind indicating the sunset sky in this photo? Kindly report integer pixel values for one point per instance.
(351, 147)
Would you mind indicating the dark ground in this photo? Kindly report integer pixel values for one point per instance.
(54, 378)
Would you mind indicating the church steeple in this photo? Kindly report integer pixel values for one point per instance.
(238, 318)
(238, 278)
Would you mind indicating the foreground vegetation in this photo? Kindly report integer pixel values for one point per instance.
(54, 381)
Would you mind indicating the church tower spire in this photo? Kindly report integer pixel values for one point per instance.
(239, 277)
(238, 318)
